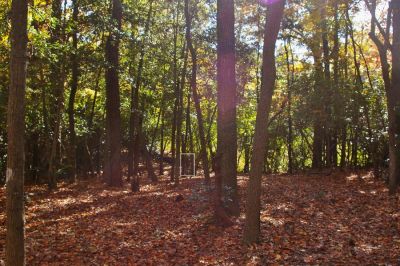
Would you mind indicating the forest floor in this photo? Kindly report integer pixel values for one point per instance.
(306, 220)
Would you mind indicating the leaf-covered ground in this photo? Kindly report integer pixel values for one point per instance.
(306, 220)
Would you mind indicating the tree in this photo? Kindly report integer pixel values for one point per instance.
(253, 204)
(196, 100)
(74, 88)
(15, 249)
(113, 174)
(176, 121)
(394, 105)
(57, 78)
(290, 80)
(136, 114)
(392, 84)
(315, 45)
(226, 102)
(179, 111)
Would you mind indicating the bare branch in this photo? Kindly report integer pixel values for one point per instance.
(385, 34)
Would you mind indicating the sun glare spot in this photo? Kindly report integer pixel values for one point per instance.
(269, 2)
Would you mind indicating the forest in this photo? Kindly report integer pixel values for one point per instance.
(199, 132)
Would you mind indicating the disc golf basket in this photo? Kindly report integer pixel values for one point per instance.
(187, 164)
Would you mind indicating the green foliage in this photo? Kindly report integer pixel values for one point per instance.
(345, 107)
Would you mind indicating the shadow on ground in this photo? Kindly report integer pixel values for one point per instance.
(305, 220)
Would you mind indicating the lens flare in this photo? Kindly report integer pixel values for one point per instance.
(269, 2)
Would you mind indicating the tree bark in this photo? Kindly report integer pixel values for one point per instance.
(253, 204)
(318, 126)
(394, 103)
(15, 248)
(113, 117)
(226, 120)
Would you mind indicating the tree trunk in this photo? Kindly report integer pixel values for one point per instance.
(153, 139)
(74, 87)
(392, 90)
(220, 215)
(179, 112)
(335, 87)
(327, 86)
(343, 149)
(226, 122)
(134, 134)
(188, 129)
(289, 95)
(161, 161)
(149, 163)
(394, 103)
(209, 140)
(15, 248)
(359, 86)
(91, 134)
(246, 144)
(253, 204)
(196, 98)
(318, 127)
(113, 117)
(174, 133)
(57, 83)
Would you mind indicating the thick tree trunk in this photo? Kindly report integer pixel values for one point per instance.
(15, 248)
(226, 122)
(253, 204)
(220, 215)
(394, 103)
(196, 98)
(113, 117)
(318, 126)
